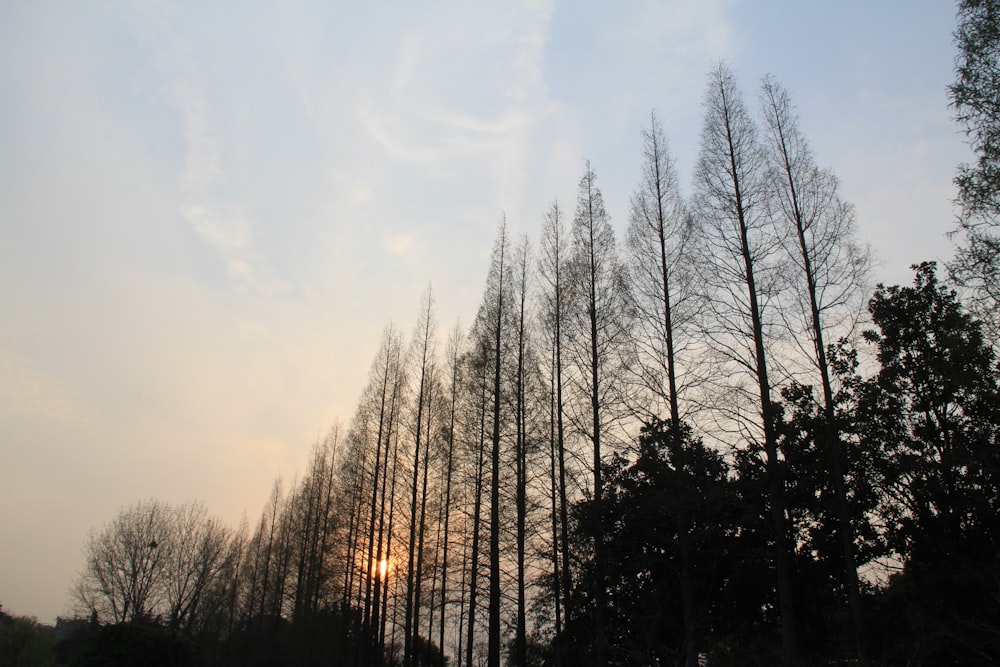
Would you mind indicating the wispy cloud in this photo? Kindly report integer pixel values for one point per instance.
(481, 110)
(27, 392)
(220, 221)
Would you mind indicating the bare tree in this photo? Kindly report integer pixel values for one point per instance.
(369, 473)
(519, 291)
(478, 362)
(195, 554)
(123, 575)
(454, 356)
(660, 276)
(738, 254)
(389, 437)
(424, 351)
(820, 239)
(598, 328)
(556, 298)
(154, 561)
(493, 318)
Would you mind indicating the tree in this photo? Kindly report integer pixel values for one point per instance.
(520, 286)
(556, 298)
(659, 274)
(975, 97)
(24, 644)
(123, 576)
(487, 364)
(666, 519)
(479, 383)
(454, 360)
(933, 410)
(423, 349)
(316, 524)
(153, 561)
(737, 251)
(820, 241)
(367, 483)
(597, 331)
(196, 551)
(493, 312)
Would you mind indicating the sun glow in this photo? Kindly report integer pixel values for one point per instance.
(383, 568)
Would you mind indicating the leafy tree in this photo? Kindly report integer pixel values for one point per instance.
(665, 520)
(820, 515)
(933, 409)
(128, 644)
(975, 97)
(24, 644)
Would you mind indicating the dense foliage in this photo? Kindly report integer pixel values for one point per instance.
(975, 97)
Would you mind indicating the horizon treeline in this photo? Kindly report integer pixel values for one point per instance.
(706, 440)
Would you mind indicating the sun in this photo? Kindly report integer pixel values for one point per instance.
(383, 568)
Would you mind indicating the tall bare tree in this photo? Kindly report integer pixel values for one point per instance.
(423, 350)
(479, 390)
(454, 357)
(660, 275)
(598, 328)
(519, 292)
(370, 443)
(555, 301)
(820, 239)
(738, 260)
(493, 317)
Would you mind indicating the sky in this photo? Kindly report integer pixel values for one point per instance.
(210, 211)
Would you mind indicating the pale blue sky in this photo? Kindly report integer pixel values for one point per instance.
(209, 211)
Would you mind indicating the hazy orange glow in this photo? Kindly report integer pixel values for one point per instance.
(383, 568)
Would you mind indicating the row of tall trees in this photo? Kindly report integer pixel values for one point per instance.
(673, 449)
(481, 454)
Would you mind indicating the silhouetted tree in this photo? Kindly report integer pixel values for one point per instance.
(975, 97)
(666, 519)
(423, 350)
(519, 292)
(659, 273)
(555, 301)
(153, 561)
(737, 252)
(24, 644)
(933, 409)
(819, 237)
(493, 318)
(597, 324)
